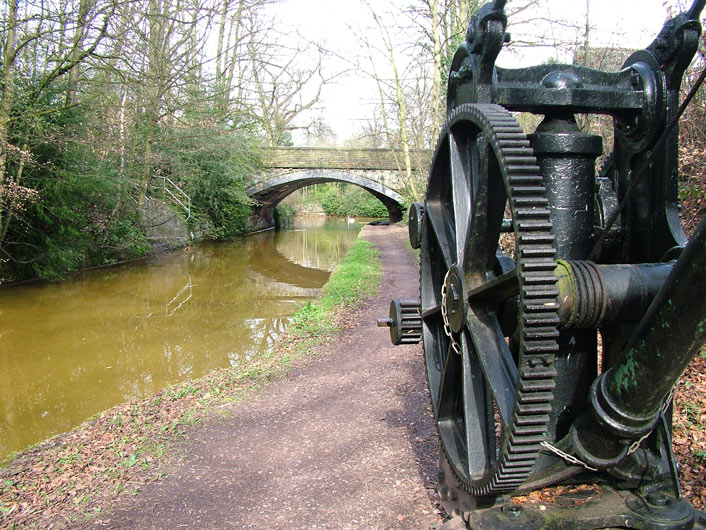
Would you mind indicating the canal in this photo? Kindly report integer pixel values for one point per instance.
(72, 349)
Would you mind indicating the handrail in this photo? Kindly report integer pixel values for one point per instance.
(175, 197)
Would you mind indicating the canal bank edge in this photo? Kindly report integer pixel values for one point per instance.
(166, 229)
(72, 476)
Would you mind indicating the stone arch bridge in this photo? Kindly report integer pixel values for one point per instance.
(288, 169)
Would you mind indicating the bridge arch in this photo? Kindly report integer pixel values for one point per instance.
(270, 192)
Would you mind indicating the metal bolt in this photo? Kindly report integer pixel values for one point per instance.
(512, 510)
(636, 80)
(385, 322)
(454, 297)
(657, 498)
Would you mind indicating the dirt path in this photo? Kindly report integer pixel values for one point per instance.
(345, 441)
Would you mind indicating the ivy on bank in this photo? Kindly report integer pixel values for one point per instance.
(84, 205)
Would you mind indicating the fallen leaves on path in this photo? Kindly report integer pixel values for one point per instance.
(73, 476)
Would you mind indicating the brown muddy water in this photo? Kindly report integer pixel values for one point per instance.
(69, 350)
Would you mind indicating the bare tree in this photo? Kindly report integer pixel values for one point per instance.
(172, 61)
(237, 21)
(320, 134)
(285, 88)
(393, 93)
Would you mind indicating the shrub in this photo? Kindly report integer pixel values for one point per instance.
(348, 200)
(211, 167)
(284, 215)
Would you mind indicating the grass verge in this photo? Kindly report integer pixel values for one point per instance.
(74, 476)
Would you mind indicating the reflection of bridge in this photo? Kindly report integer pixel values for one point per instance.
(291, 168)
(271, 263)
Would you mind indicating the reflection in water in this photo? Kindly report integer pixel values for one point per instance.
(73, 349)
(273, 264)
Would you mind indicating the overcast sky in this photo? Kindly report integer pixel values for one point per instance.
(348, 102)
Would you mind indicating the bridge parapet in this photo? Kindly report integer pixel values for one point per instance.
(386, 177)
(325, 158)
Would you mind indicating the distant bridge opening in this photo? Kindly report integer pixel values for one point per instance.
(288, 169)
(271, 192)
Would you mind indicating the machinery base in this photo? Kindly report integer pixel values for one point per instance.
(602, 507)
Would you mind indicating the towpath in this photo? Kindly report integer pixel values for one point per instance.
(344, 441)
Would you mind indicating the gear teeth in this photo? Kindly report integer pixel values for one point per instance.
(533, 225)
(522, 169)
(540, 347)
(538, 265)
(536, 398)
(535, 373)
(527, 180)
(529, 190)
(537, 385)
(541, 333)
(535, 408)
(528, 430)
(529, 161)
(522, 436)
(517, 151)
(531, 202)
(532, 213)
(542, 319)
(536, 238)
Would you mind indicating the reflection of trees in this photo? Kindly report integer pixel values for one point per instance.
(273, 328)
(15, 421)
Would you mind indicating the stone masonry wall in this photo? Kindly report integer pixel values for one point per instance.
(322, 158)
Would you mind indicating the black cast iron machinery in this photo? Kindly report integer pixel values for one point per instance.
(529, 257)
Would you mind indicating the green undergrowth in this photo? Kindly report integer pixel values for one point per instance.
(76, 475)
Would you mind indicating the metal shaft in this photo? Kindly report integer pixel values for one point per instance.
(626, 400)
(591, 294)
(696, 9)
(668, 337)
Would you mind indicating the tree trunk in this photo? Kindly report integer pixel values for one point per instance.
(10, 213)
(436, 82)
(220, 55)
(8, 93)
(75, 58)
(236, 27)
(155, 76)
(404, 137)
(146, 166)
(402, 112)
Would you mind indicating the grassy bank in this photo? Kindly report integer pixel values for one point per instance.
(73, 476)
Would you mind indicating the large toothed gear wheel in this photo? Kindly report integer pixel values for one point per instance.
(489, 316)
